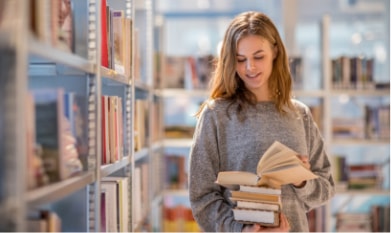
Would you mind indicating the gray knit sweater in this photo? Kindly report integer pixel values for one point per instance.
(222, 143)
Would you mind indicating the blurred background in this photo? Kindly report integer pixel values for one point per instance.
(339, 54)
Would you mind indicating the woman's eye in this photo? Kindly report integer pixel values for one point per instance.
(259, 58)
(241, 60)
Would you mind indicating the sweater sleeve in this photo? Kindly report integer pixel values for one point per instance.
(318, 191)
(210, 209)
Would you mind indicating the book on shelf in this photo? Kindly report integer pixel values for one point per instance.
(36, 175)
(343, 127)
(317, 115)
(179, 131)
(377, 121)
(65, 19)
(354, 222)
(204, 69)
(137, 196)
(43, 221)
(104, 60)
(137, 55)
(380, 218)
(112, 122)
(113, 128)
(59, 133)
(176, 175)
(40, 20)
(145, 185)
(178, 218)
(275, 168)
(316, 219)
(111, 213)
(52, 23)
(75, 110)
(105, 130)
(109, 37)
(156, 121)
(103, 214)
(362, 176)
(141, 123)
(123, 200)
(116, 192)
(127, 46)
(120, 125)
(117, 43)
(353, 73)
(188, 72)
(175, 72)
(33, 163)
(340, 172)
(296, 70)
(49, 114)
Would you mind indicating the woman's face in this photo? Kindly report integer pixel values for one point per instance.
(254, 64)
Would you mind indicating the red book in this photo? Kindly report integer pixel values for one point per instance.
(104, 45)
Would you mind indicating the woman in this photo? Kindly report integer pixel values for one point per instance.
(250, 107)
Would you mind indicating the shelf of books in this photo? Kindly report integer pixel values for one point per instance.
(176, 213)
(148, 125)
(67, 129)
(359, 137)
(49, 96)
(184, 81)
(351, 107)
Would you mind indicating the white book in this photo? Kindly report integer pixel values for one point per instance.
(257, 205)
(111, 197)
(137, 196)
(123, 200)
(256, 216)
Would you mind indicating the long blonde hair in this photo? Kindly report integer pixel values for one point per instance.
(227, 85)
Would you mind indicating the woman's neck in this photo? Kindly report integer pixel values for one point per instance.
(263, 96)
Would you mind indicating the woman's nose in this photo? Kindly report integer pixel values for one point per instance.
(250, 65)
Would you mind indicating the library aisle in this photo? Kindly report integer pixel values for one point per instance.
(98, 98)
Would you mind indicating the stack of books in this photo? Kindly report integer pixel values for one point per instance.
(257, 205)
(258, 195)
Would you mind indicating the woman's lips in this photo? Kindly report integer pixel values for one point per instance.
(252, 75)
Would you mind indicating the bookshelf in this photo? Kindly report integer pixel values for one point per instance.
(180, 104)
(42, 59)
(357, 146)
(363, 146)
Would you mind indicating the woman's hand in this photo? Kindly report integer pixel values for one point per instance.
(304, 160)
(306, 163)
(283, 227)
(251, 228)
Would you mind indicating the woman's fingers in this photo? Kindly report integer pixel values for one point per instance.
(284, 224)
(304, 160)
(283, 227)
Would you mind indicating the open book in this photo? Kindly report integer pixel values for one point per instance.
(278, 166)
